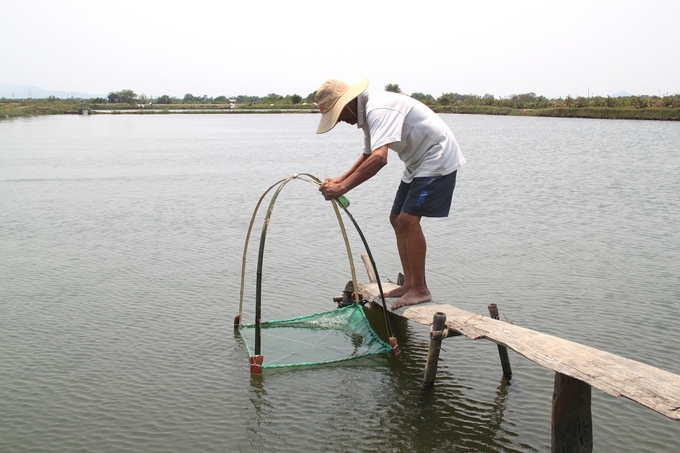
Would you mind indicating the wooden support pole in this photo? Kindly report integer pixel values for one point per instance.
(502, 350)
(572, 424)
(437, 333)
(369, 268)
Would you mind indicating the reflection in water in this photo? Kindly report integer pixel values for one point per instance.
(499, 402)
(390, 413)
(446, 416)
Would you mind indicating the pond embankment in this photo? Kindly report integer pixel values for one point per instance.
(651, 113)
(50, 107)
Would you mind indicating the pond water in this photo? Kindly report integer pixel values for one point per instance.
(121, 241)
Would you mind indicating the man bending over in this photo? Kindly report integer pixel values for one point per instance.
(430, 154)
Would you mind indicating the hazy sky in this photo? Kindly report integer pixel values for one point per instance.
(551, 48)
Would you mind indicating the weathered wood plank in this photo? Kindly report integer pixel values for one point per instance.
(652, 387)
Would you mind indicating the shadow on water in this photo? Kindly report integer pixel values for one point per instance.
(390, 411)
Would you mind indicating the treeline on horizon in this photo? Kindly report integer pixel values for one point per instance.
(517, 101)
(642, 107)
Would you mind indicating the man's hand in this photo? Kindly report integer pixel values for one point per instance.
(331, 189)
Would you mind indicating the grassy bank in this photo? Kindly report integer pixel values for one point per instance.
(38, 107)
(653, 113)
(19, 109)
(65, 107)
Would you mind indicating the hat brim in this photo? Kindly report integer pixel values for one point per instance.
(330, 118)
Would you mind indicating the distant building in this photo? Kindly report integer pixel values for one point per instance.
(114, 98)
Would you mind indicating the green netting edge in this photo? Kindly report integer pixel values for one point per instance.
(385, 348)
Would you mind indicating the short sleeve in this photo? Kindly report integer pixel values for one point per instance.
(385, 125)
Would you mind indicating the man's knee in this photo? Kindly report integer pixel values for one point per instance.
(405, 221)
(394, 221)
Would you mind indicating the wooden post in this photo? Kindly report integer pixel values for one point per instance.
(502, 350)
(572, 424)
(437, 333)
(369, 268)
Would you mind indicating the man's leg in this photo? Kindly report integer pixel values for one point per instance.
(403, 257)
(412, 250)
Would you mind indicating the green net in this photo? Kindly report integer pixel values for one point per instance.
(333, 336)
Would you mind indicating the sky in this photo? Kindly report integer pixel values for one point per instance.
(551, 48)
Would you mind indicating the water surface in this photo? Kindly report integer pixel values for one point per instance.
(121, 240)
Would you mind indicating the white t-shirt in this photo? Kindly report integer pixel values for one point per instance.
(419, 136)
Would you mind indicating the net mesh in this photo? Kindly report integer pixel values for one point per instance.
(333, 336)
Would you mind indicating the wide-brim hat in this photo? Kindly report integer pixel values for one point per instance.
(332, 97)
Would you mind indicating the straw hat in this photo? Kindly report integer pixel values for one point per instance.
(332, 97)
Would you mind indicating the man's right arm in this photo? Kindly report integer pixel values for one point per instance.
(353, 169)
(364, 168)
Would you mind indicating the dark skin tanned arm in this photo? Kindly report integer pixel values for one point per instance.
(363, 169)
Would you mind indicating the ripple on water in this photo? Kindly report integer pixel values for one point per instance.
(120, 276)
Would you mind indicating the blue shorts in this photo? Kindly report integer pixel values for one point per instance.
(429, 196)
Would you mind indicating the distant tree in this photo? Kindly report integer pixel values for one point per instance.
(639, 102)
(221, 99)
(310, 97)
(450, 98)
(128, 96)
(296, 99)
(393, 87)
(671, 101)
(165, 99)
(581, 102)
(524, 100)
(488, 99)
(424, 98)
(243, 99)
(472, 99)
(273, 98)
(189, 97)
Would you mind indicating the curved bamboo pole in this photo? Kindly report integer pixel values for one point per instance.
(237, 320)
(258, 297)
(393, 339)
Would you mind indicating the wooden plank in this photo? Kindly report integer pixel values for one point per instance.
(652, 387)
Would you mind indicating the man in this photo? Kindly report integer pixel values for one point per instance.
(429, 151)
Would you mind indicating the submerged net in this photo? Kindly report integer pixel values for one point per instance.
(333, 336)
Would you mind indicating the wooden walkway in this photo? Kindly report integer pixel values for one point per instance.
(652, 387)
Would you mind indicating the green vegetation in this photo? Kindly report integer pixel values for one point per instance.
(49, 106)
(528, 104)
(532, 101)
(651, 113)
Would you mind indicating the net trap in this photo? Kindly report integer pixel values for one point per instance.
(338, 335)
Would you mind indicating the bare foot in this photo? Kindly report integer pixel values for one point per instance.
(412, 298)
(397, 292)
